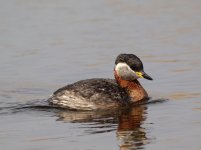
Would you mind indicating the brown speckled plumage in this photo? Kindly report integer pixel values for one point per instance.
(95, 93)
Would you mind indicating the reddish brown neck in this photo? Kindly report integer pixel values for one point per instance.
(134, 88)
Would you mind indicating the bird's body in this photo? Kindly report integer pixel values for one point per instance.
(100, 93)
(90, 94)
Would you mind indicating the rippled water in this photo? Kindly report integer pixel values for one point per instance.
(46, 44)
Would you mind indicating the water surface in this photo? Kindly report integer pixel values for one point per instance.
(46, 44)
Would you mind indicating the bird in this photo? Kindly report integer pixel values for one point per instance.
(103, 93)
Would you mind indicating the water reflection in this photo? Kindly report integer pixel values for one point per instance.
(126, 122)
(130, 132)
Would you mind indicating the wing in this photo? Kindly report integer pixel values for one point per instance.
(90, 92)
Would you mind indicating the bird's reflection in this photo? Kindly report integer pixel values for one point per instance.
(127, 122)
(130, 133)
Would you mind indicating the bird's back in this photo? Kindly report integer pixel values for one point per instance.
(90, 94)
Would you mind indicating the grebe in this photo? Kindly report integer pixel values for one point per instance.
(91, 94)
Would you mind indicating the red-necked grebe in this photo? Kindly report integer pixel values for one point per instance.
(91, 94)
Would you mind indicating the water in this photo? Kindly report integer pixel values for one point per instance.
(46, 44)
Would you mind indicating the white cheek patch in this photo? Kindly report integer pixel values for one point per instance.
(124, 71)
(123, 67)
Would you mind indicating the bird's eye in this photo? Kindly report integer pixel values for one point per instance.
(135, 68)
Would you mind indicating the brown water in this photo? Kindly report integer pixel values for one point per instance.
(46, 44)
